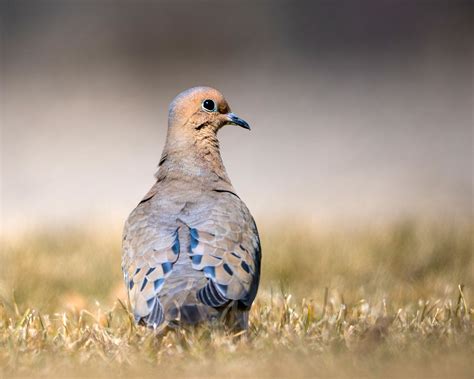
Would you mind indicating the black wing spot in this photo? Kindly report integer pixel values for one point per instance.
(146, 199)
(228, 269)
(223, 190)
(163, 159)
(145, 281)
(245, 266)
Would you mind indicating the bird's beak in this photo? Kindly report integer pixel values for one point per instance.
(232, 119)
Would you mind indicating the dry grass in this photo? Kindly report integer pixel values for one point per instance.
(371, 302)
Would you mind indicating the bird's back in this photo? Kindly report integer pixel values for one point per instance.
(189, 255)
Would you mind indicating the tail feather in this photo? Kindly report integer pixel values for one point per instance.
(156, 316)
(211, 296)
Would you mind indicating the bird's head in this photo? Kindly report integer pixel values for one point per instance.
(194, 118)
(201, 110)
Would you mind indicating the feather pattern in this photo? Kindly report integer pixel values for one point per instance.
(225, 247)
(191, 247)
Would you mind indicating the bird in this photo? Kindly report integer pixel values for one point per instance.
(191, 250)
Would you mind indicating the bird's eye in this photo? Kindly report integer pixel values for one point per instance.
(209, 105)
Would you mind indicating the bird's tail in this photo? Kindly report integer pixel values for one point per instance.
(192, 311)
(184, 307)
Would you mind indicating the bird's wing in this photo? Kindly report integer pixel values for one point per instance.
(150, 248)
(225, 245)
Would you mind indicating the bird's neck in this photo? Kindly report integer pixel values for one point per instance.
(196, 158)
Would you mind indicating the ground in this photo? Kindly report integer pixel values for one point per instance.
(391, 300)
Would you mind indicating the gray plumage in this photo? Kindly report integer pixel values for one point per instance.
(191, 251)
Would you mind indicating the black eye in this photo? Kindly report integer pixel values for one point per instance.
(209, 105)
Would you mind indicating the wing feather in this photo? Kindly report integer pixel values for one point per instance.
(224, 244)
(149, 252)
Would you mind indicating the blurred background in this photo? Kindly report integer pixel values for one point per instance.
(359, 112)
(358, 168)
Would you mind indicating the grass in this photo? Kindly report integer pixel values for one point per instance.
(370, 301)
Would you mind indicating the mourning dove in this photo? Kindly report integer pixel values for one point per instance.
(191, 250)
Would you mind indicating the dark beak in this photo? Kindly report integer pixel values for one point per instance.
(234, 120)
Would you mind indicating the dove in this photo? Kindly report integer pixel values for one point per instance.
(191, 249)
